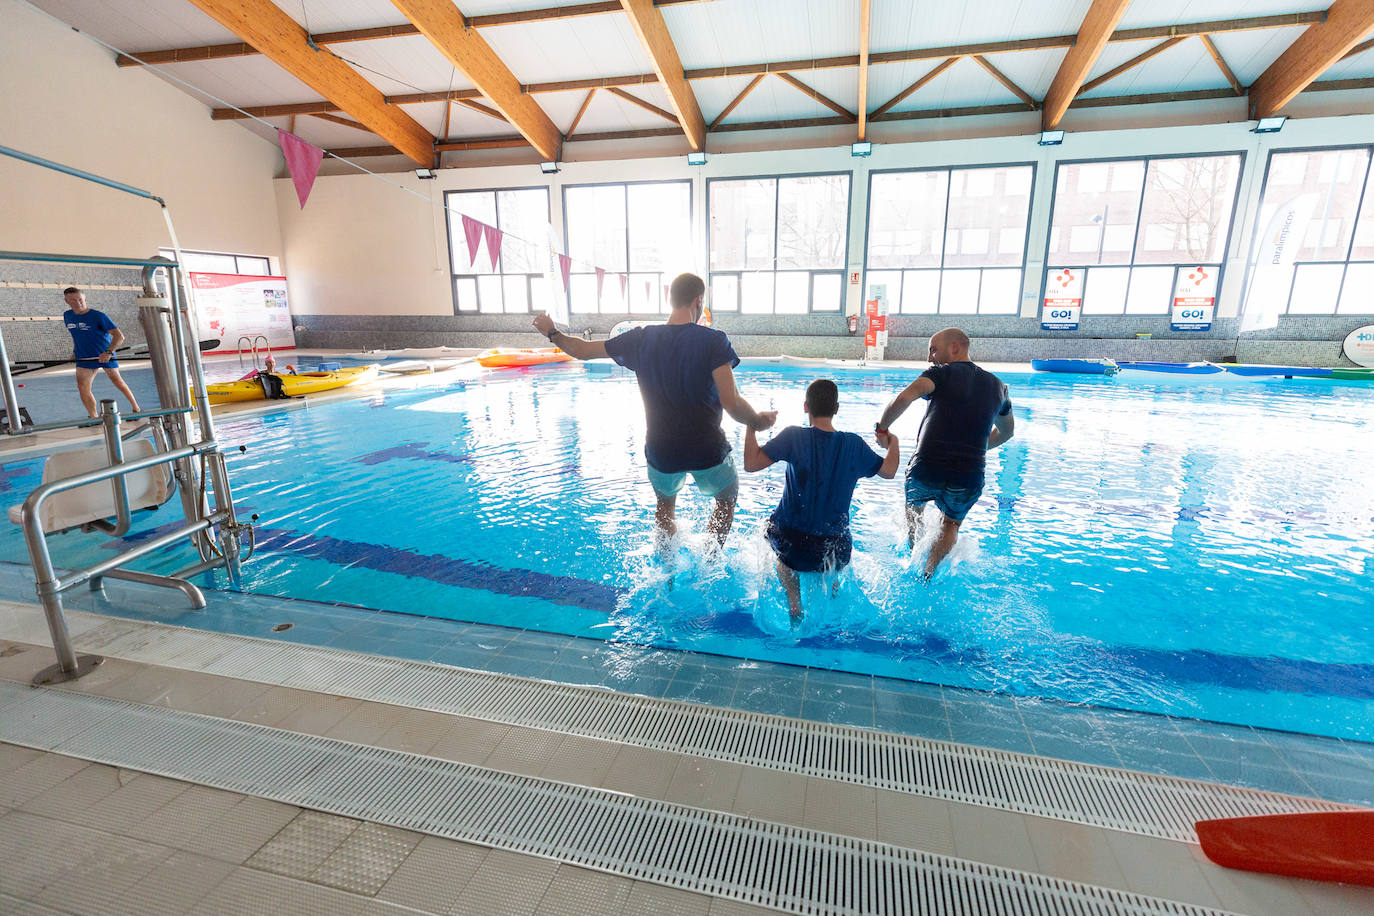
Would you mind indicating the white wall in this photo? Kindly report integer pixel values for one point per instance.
(364, 247)
(62, 98)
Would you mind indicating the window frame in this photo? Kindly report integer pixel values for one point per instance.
(944, 237)
(1135, 239)
(172, 255)
(811, 272)
(1345, 264)
(500, 267)
(665, 307)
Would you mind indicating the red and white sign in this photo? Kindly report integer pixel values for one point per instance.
(1063, 299)
(1195, 296)
(875, 324)
(230, 307)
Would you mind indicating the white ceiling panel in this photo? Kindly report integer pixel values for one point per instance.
(146, 25)
(489, 7)
(398, 66)
(1185, 66)
(963, 85)
(776, 100)
(242, 81)
(608, 112)
(1357, 67)
(902, 24)
(730, 32)
(1248, 54)
(328, 135)
(1177, 12)
(713, 95)
(466, 122)
(338, 15)
(1033, 71)
(429, 115)
(540, 52)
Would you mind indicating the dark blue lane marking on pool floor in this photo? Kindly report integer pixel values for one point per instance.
(411, 450)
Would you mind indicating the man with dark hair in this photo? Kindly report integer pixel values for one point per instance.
(686, 377)
(809, 530)
(94, 341)
(969, 413)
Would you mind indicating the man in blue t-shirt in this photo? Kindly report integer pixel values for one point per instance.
(94, 341)
(686, 378)
(969, 412)
(809, 530)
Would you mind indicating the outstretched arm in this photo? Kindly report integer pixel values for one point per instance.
(575, 347)
(755, 459)
(735, 405)
(893, 459)
(898, 405)
(1003, 428)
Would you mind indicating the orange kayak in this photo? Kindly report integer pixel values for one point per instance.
(501, 358)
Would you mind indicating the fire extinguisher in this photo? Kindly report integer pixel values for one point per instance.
(853, 324)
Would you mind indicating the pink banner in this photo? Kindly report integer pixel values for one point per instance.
(472, 231)
(565, 268)
(600, 279)
(494, 236)
(302, 161)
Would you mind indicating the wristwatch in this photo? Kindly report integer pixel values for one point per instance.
(552, 334)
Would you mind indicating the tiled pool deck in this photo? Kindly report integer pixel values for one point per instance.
(1277, 761)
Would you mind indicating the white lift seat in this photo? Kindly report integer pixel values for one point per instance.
(148, 488)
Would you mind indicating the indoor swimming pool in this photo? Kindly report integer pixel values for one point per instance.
(1198, 548)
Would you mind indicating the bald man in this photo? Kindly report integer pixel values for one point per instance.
(969, 412)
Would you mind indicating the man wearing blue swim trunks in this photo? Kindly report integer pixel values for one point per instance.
(94, 341)
(969, 412)
(686, 378)
(809, 530)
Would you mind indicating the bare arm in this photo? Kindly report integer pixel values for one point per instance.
(116, 338)
(893, 459)
(754, 457)
(575, 347)
(898, 405)
(735, 405)
(1003, 428)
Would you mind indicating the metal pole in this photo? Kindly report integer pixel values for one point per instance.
(16, 425)
(78, 173)
(114, 449)
(196, 596)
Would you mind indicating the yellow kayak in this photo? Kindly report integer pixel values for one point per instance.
(292, 385)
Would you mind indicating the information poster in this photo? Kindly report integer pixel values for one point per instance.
(1359, 346)
(875, 317)
(230, 307)
(1195, 296)
(1063, 299)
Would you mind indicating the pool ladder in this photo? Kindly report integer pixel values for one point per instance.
(253, 348)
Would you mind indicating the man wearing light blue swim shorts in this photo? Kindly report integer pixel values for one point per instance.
(686, 378)
(969, 412)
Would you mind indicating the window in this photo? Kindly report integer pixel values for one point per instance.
(641, 232)
(1132, 224)
(951, 241)
(209, 262)
(777, 245)
(1329, 196)
(521, 280)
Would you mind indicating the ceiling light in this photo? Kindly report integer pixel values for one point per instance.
(1051, 137)
(696, 158)
(862, 148)
(426, 174)
(1270, 125)
(548, 168)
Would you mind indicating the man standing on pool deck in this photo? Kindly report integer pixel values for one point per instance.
(94, 341)
(686, 378)
(969, 413)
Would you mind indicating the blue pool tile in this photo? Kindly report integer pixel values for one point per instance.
(707, 692)
(1270, 779)
(905, 723)
(1243, 751)
(837, 713)
(1155, 760)
(518, 665)
(1347, 791)
(372, 645)
(577, 674)
(464, 654)
(921, 704)
(768, 699)
(963, 713)
(645, 685)
(1004, 739)
(1079, 751)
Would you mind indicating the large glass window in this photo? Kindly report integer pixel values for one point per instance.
(641, 232)
(211, 262)
(778, 244)
(1329, 196)
(949, 241)
(520, 281)
(1132, 225)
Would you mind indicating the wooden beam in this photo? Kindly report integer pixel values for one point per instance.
(1093, 35)
(479, 107)
(1131, 64)
(452, 146)
(647, 106)
(335, 119)
(1365, 82)
(591, 93)
(1347, 21)
(263, 25)
(276, 111)
(658, 44)
(362, 152)
(442, 23)
(902, 96)
(632, 134)
(595, 82)
(827, 102)
(863, 67)
(1221, 64)
(1002, 78)
(1359, 49)
(725, 112)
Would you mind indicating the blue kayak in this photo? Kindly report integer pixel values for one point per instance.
(1285, 371)
(1174, 368)
(1079, 366)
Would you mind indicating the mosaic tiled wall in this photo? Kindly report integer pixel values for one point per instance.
(31, 305)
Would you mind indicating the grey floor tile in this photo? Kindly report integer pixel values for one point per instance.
(304, 844)
(367, 859)
(242, 830)
(507, 883)
(433, 876)
(174, 886)
(577, 891)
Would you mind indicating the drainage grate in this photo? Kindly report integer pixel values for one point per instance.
(723, 855)
(1126, 800)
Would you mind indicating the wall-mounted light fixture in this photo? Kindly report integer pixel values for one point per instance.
(1051, 137)
(1270, 125)
(548, 168)
(426, 174)
(860, 149)
(696, 158)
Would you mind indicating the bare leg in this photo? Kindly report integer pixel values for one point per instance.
(663, 518)
(723, 514)
(118, 381)
(914, 524)
(792, 586)
(944, 543)
(84, 377)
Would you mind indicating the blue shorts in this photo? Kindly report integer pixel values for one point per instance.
(806, 552)
(710, 481)
(954, 493)
(110, 363)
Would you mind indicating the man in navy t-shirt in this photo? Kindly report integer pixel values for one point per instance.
(686, 378)
(94, 341)
(809, 530)
(969, 413)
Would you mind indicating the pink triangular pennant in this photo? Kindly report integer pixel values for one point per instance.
(623, 281)
(472, 231)
(665, 292)
(565, 268)
(302, 161)
(494, 236)
(600, 279)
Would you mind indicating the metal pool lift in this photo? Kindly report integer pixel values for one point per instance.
(99, 499)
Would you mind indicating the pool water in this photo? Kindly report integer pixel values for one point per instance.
(1198, 548)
